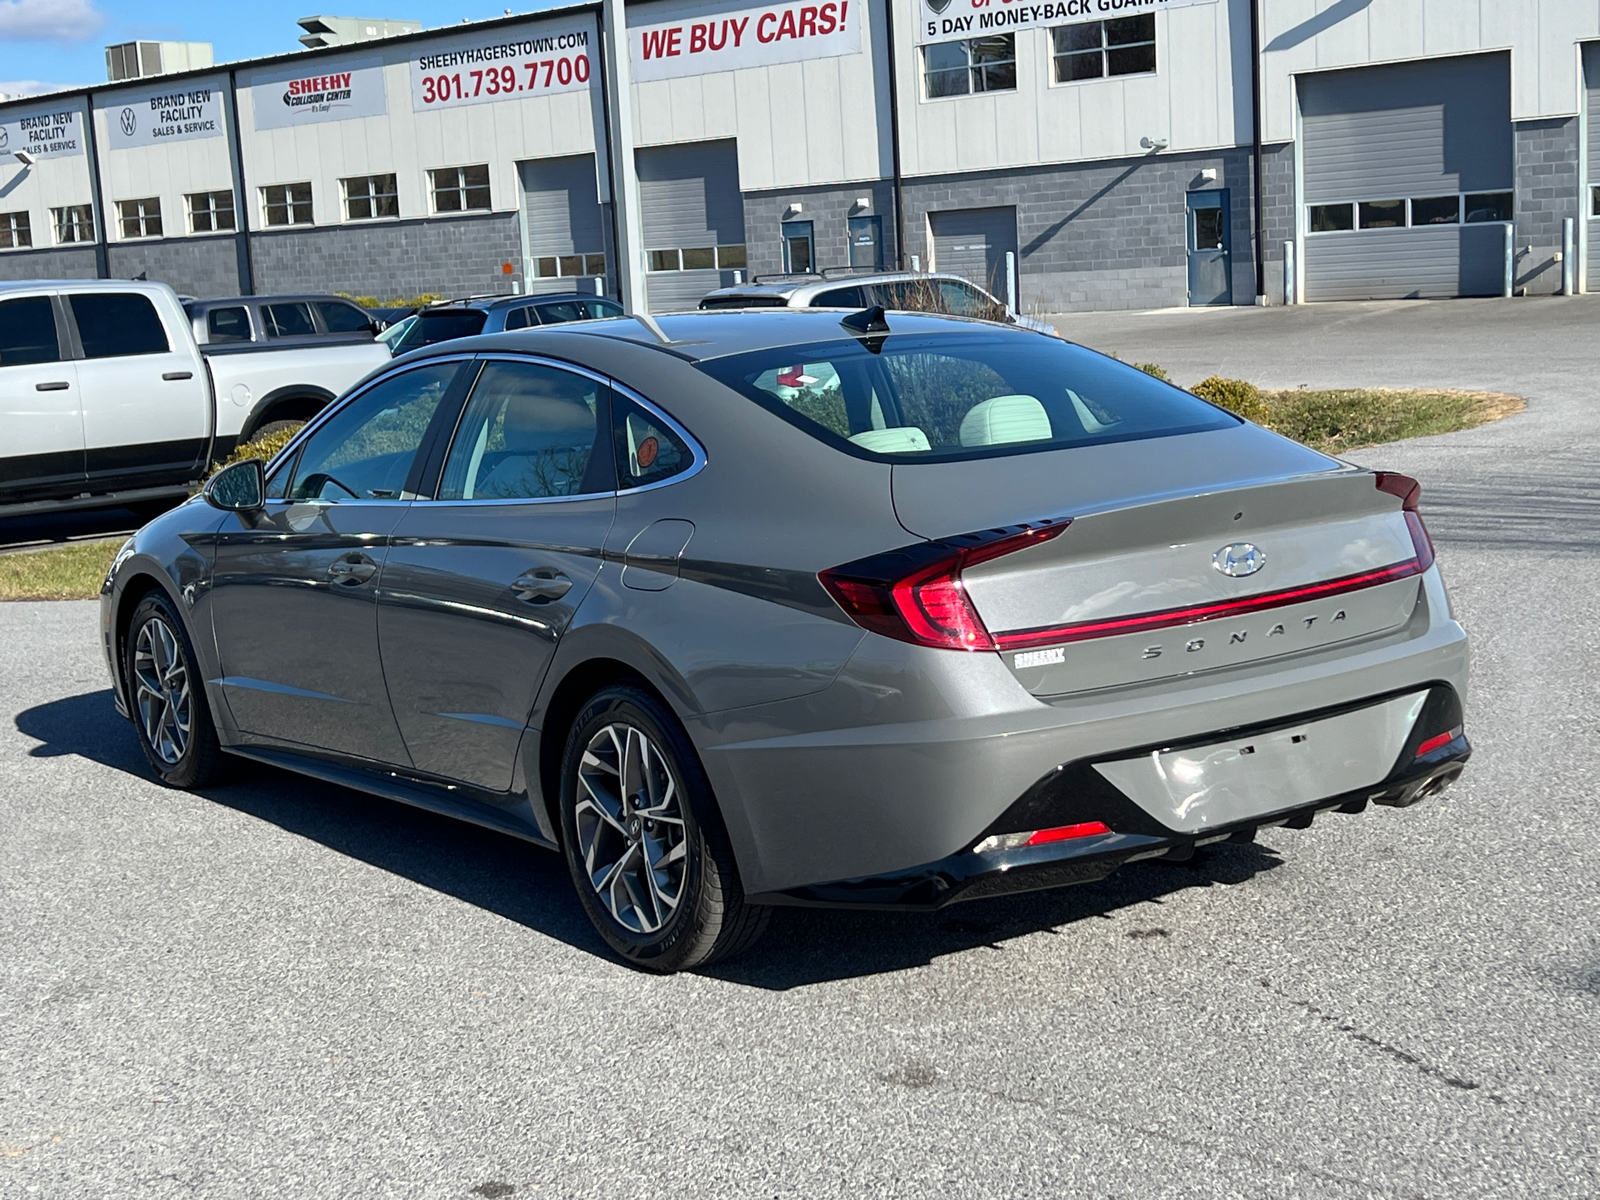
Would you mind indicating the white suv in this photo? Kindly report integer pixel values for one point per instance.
(903, 290)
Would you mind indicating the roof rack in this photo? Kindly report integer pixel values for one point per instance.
(836, 272)
(784, 276)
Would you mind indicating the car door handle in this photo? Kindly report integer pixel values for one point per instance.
(541, 585)
(59, 386)
(352, 571)
(169, 376)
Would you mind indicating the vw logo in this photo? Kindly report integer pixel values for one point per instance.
(128, 122)
(1238, 559)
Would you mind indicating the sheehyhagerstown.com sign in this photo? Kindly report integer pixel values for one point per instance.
(44, 135)
(957, 20)
(747, 37)
(157, 117)
(309, 93)
(514, 64)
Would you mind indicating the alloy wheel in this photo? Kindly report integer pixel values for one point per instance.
(630, 827)
(161, 687)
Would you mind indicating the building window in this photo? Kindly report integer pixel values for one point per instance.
(140, 218)
(1488, 206)
(15, 232)
(210, 212)
(699, 258)
(1416, 212)
(460, 189)
(1096, 49)
(560, 266)
(74, 223)
(286, 204)
(980, 65)
(367, 197)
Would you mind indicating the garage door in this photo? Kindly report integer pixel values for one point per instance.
(566, 227)
(973, 243)
(1407, 179)
(693, 216)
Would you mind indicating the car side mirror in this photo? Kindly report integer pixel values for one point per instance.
(377, 327)
(240, 488)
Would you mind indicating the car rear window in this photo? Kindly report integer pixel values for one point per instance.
(442, 327)
(344, 318)
(228, 325)
(289, 320)
(922, 398)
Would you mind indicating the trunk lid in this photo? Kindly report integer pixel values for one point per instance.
(1138, 587)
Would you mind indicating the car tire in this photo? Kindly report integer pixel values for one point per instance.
(644, 840)
(167, 697)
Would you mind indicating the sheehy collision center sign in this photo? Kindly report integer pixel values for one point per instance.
(747, 37)
(57, 134)
(506, 64)
(171, 114)
(957, 20)
(309, 93)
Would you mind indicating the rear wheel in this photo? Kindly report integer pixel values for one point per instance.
(644, 840)
(167, 697)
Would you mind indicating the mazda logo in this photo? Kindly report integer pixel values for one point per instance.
(128, 121)
(1238, 559)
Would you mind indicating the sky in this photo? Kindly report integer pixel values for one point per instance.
(50, 44)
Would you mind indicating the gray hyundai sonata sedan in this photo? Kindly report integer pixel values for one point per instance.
(741, 609)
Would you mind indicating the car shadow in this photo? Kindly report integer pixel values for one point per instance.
(526, 884)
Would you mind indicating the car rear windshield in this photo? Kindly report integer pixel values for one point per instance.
(934, 398)
(442, 327)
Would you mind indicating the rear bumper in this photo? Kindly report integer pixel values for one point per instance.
(1075, 793)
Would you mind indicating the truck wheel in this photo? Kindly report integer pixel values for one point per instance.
(644, 840)
(168, 697)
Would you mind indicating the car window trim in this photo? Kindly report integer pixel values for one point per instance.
(607, 386)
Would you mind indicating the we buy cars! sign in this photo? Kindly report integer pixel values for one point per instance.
(747, 37)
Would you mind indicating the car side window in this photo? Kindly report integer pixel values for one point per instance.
(556, 314)
(519, 318)
(28, 332)
(114, 324)
(288, 320)
(595, 309)
(529, 432)
(228, 325)
(647, 450)
(365, 450)
(343, 318)
(848, 297)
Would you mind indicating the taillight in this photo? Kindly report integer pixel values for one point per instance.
(1042, 837)
(1410, 493)
(916, 595)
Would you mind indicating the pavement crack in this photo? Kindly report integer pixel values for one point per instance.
(1341, 1025)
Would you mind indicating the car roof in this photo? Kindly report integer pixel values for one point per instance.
(702, 336)
(809, 284)
(488, 302)
(297, 297)
(80, 285)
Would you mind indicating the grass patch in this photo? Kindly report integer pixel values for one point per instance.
(1338, 421)
(72, 572)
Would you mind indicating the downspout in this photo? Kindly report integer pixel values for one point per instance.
(894, 139)
(1255, 131)
(102, 259)
(241, 207)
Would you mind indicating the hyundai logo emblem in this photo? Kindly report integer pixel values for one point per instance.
(1238, 559)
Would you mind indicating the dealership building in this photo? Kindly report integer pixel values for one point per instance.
(1085, 153)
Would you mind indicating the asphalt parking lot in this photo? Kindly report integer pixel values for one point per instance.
(286, 989)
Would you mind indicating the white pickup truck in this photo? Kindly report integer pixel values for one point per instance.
(106, 398)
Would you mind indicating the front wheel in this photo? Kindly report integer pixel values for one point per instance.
(167, 697)
(644, 840)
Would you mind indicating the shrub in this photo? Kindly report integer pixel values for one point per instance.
(1235, 395)
(1155, 369)
(263, 447)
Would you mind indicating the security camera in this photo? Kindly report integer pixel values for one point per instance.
(1157, 144)
(24, 157)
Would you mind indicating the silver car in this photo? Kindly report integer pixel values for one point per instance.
(911, 291)
(788, 607)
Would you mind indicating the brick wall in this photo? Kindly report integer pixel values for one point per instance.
(828, 210)
(64, 262)
(1546, 192)
(193, 266)
(1277, 213)
(455, 256)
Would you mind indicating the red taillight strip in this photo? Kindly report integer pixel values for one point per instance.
(1082, 631)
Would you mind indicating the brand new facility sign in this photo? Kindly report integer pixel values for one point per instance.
(309, 93)
(506, 64)
(746, 37)
(48, 134)
(162, 115)
(957, 20)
